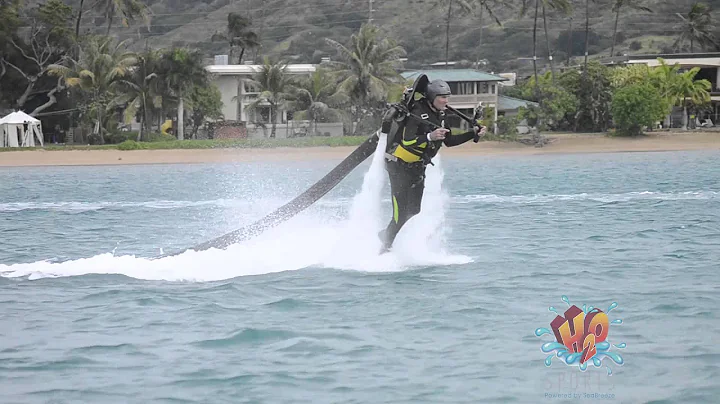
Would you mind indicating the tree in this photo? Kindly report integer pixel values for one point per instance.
(617, 6)
(593, 90)
(45, 43)
(488, 5)
(562, 6)
(464, 7)
(313, 99)
(636, 106)
(559, 5)
(127, 10)
(102, 62)
(587, 35)
(205, 102)
(557, 105)
(238, 35)
(184, 69)
(696, 28)
(140, 91)
(368, 68)
(691, 92)
(275, 86)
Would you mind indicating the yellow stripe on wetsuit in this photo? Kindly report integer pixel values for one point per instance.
(409, 151)
(396, 211)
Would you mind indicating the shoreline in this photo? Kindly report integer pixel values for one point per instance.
(560, 144)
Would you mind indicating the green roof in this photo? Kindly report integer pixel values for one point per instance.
(454, 75)
(506, 103)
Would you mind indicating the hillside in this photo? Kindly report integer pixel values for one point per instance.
(295, 29)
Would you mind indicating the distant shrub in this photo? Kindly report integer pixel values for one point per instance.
(161, 137)
(119, 137)
(636, 106)
(130, 145)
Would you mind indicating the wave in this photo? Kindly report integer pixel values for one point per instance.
(597, 197)
(75, 206)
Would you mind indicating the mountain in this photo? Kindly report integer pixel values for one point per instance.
(295, 29)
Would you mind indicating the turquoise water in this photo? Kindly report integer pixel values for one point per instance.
(307, 313)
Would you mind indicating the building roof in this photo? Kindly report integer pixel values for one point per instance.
(506, 103)
(251, 69)
(454, 75)
(704, 59)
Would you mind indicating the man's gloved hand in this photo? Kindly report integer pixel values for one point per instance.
(437, 134)
(480, 130)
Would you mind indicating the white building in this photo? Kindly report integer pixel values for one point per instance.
(236, 94)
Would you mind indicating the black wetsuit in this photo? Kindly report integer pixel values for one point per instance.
(407, 157)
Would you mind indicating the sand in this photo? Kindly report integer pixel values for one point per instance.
(561, 144)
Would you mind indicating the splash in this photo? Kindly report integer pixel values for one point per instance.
(310, 239)
(603, 349)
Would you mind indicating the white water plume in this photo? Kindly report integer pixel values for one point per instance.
(307, 240)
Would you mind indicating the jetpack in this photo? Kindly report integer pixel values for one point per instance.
(402, 110)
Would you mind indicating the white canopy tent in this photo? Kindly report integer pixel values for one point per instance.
(19, 129)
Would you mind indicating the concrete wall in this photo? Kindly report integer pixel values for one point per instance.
(297, 128)
(228, 86)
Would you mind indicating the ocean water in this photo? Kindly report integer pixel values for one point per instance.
(309, 313)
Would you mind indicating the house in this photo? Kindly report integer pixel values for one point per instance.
(469, 87)
(237, 95)
(709, 64)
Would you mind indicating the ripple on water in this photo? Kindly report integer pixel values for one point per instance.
(247, 336)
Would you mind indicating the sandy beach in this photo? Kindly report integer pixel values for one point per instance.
(561, 144)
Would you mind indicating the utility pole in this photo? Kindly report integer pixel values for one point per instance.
(370, 11)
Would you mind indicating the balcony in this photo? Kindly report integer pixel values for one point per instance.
(470, 100)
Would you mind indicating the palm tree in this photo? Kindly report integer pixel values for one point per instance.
(485, 6)
(560, 5)
(692, 92)
(570, 34)
(368, 67)
(275, 86)
(697, 27)
(127, 10)
(464, 6)
(183, 69)
(101, 63)
(313, 99)
(140, 91)
(617, 5)
(563, 6)
(238, 34)
(587, 35)
(681, 88)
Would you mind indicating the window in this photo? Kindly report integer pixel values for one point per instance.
(462, 87)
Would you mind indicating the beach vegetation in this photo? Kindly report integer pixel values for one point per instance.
(635, 107)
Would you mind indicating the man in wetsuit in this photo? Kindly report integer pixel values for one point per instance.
(408, 155)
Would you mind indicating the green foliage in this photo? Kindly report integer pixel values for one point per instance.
(131, 145)
(593, 91)
(55, 15)
(557, 103)
(205, 103)
(507, 127)
(636, 106)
